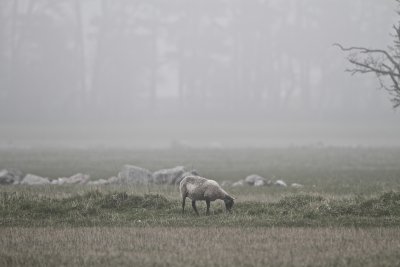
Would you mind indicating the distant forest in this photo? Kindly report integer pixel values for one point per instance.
(130, 58)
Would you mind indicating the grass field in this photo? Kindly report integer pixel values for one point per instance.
(347, 213)
(191, 246)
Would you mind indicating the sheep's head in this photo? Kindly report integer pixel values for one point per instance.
(228, 202)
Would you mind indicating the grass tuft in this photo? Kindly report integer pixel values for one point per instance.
(121, 208)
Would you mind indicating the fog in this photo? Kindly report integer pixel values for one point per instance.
(192, 73)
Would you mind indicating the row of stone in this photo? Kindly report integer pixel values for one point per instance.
(257, 180)
(128, 175)
(16, 177)
(131, 175)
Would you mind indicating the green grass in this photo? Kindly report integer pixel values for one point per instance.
(347, 213)
(104, 228)
(97, 208)
(342, 186)
(331, 170)
(188, 246)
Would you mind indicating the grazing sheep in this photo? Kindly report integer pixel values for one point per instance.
(199, 188)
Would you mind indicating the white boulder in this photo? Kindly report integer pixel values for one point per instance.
(169, 176)
(280, 183)
(11, 176)
(251, 179)
(98, 182)
(78, 178)
(256, 180)
(31, 179)
(296, 185)
(239, 183)
(226, 183)
(259, 183)
(111, 180)
(134, 175)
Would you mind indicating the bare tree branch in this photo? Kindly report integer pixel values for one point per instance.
(384, 64)
(371, 51)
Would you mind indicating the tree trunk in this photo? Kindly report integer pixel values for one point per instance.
(80, 49)
(153, 65)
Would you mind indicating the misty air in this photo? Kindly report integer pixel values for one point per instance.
(199, 132)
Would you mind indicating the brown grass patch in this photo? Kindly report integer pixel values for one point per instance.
(160, 246)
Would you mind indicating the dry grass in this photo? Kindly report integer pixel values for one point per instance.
(155, 246)
(97, 208)
(331, 170)
(131, 230)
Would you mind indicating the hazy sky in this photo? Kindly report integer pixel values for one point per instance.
(212, 73)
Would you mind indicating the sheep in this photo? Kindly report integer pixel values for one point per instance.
(199, 188)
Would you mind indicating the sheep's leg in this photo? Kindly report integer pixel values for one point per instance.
(183, 204)
(208, 206)
(194, 207)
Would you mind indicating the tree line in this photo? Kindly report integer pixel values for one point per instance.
(124, 58)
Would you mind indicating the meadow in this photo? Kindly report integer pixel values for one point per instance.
(191, 246)
(347, 213)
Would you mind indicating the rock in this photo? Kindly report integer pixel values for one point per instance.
(134, 175)
(31, 179)
(238, 183)
(296, 185)
(168, 176)
(11, 176)
(98, 182)
(268, 182)
(253, 178)
(78, 178)
(257, 180)
(226, 183)
(259, 183)
(171, 176)
(111, 180)
(280, 183)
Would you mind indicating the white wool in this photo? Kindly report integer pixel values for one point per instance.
(199, 188)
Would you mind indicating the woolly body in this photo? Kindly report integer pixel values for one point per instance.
(199, 188)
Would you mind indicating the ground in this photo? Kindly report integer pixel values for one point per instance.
(347, 214)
